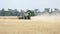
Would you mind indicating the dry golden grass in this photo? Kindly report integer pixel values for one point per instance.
(37, 25)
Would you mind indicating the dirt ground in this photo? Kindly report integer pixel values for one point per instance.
(37, 25)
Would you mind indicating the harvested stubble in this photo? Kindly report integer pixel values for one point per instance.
(37, 25)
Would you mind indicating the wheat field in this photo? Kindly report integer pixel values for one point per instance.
(37, 25)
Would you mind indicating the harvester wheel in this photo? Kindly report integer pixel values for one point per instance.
(28, 17)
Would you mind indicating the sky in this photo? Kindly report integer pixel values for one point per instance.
(29, 4)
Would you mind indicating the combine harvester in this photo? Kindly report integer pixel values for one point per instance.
(26, 15)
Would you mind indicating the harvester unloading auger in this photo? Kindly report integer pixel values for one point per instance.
(26, 15)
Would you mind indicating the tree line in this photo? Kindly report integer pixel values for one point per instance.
(34, 12)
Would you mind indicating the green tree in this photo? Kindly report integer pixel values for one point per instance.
(36, 11)
(2, 12)
(47, 10)
(22, 13)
